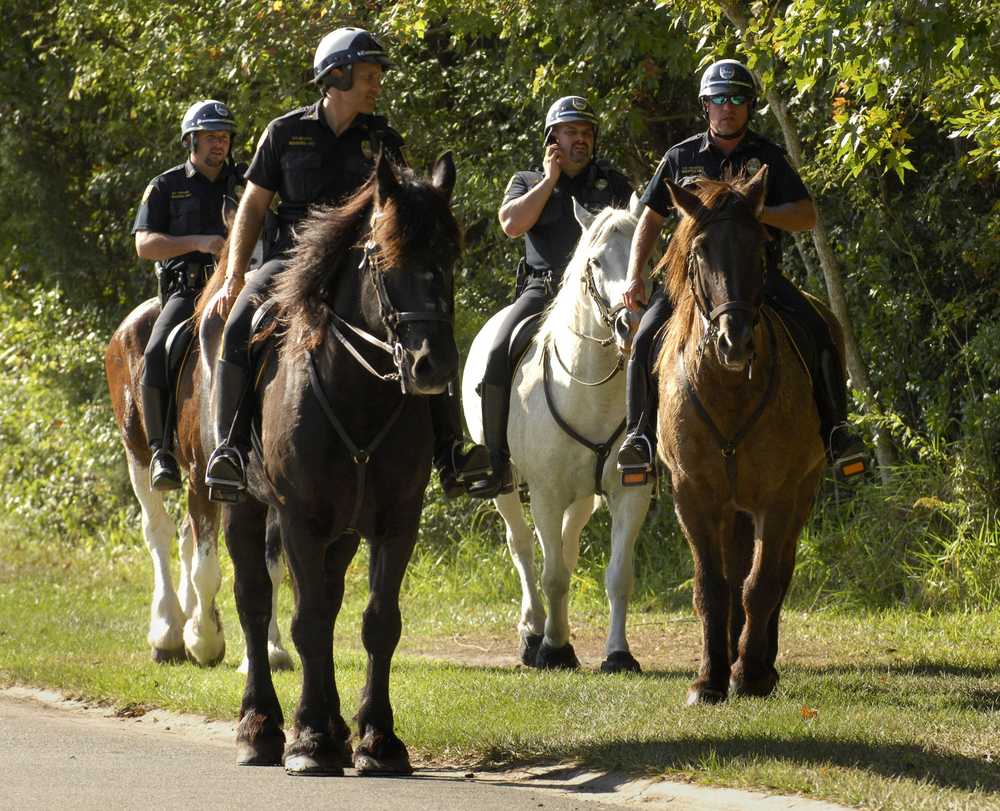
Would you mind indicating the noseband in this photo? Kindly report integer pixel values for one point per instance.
(390, 317)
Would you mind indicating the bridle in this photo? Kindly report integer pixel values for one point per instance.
(610, 317)
(390, 317)
(711, 317)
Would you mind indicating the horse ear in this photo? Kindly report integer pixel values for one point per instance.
(584, 217)
(755, 190)
(443, 174)
(686, 202)
(635, 206)
(388, 182)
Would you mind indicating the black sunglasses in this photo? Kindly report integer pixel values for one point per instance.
(736, 100)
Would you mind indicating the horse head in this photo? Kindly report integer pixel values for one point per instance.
(722, 240)
(601, 261)
(411, 250)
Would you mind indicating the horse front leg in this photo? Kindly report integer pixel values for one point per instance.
(204, 638)
(166, 618)
(379, 751)
(556, 651)
(338, 558)
(259, 736)
(314, 748)
(737, 562)
(521, 545)
(704, 528)
(277, 654)
(628, 512)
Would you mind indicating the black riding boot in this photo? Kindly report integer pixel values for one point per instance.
(456, 464)
(638, 450)
(164, 472)
(226, 471)
(845, 449)
(495, 407)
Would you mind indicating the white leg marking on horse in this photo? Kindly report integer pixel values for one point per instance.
(185, 586)
(521, 543)
(166, 619)
(204, 639)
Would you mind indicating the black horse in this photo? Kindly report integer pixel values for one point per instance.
(364, 315)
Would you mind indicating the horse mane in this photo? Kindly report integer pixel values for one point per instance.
(559, 314)
(416, 220)
(715, 196)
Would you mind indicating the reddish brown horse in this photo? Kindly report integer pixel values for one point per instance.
(738, 430)
(184, 622)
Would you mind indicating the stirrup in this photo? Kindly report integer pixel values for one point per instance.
(495, 483)
(221, 487)
(635, 472)
(475, 464)
(852, 460)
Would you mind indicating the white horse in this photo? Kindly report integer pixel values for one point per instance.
(567, 399)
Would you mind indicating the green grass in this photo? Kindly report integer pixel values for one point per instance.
(883, 709)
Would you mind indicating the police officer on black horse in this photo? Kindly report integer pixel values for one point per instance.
(319, 154)
(180, 226)
(539, 206)
(728, 94)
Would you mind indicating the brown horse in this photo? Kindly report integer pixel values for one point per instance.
(342, 449)
(738, 431)
(184, 622)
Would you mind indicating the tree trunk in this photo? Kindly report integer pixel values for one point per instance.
(885, 452)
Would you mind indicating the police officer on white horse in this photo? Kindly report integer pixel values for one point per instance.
(180, 226)
(538, 205)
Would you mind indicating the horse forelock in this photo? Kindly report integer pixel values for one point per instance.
(561, 309)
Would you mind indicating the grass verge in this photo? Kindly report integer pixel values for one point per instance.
(887, 709)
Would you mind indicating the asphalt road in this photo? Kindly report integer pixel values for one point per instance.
(69, 755)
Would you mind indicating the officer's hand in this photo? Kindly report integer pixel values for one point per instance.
(551, 163)
(211, 243)
(230, 290)
(635, 295)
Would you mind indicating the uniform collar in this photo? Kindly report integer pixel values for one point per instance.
(748, 140)
(190, 171)
(314, 112)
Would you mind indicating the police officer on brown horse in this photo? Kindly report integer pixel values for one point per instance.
(539, 206)
(319, 154)
(728, 93)
(180, 226)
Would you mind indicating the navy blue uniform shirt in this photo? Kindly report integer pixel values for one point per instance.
(699, 157)
(306, 162)
(549, 243)
(182, 202)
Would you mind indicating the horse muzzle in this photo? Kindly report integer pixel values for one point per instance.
(734, 343)
(427, 369)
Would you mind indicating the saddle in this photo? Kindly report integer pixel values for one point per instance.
(807, 350)
(177, 348)
(520, 338)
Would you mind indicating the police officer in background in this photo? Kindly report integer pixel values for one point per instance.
(179, 225)
(539, 206)
(728, 95)
(320, 154)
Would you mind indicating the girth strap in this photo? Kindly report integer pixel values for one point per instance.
(360, 456)
(728, 446)
(602, 450)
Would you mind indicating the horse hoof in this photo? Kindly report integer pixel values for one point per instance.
(168, 657)
(305, 765)
(279, 659)
(704, 695)
(550, 658)
(368, 765)
(621, 661)
(758, 688)
(530, 643)
(265, 752)
(214, 661)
